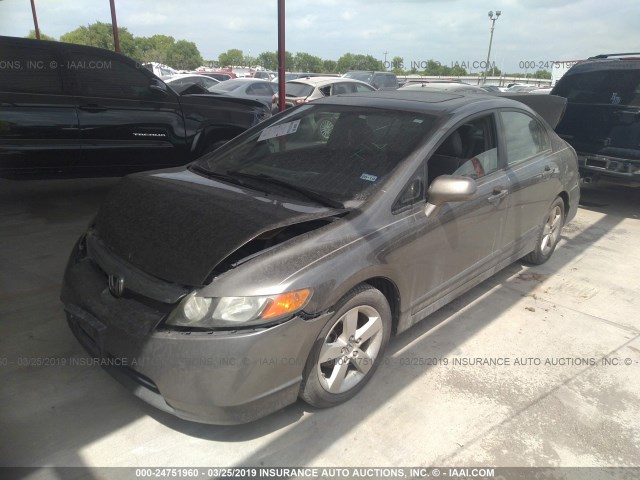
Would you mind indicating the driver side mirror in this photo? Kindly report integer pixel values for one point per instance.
(449, 188)
(158, 87)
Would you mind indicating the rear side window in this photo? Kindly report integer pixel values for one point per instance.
(614, 87)
(108, 77)
(524, 137)
(30, 69)
(260, 89)
(295, 89)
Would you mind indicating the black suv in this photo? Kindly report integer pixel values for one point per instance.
(72, 110)
(379, 80)
(602, 119)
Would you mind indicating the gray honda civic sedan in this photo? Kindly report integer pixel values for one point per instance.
(278, 266)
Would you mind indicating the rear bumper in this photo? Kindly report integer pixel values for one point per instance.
(619, 170)
(209, 377)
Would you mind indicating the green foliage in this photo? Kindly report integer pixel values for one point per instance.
(397, 65)
(349, 61)
(304, 62)
(154, 48)
(184, 55)
(43, 36)
(231, 57)
(268, 60)
(329, 66)
(100, 35)
(542, 74)
(249, 61)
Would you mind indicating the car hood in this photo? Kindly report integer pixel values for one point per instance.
(179, 226)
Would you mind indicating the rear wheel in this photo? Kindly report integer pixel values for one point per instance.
(549, 234)
(349, 349)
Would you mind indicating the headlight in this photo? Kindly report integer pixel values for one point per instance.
(204, 312)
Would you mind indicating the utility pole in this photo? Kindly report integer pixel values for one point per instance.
(493, 24)
(35, 19)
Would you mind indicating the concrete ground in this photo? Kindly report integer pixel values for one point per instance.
(550, 401)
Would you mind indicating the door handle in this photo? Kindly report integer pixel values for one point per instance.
(93, 108)
(498, 195)
(548, 171)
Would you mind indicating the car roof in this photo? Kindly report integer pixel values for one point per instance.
(449, 86)
(368, 71)
(420, 101)
(318, 81)
(178, 76)
(603, 62)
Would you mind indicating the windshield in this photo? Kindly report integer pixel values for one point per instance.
(362, 76)
(228, 85)
(613, 87)
(342, 153)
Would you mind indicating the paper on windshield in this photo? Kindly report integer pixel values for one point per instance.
(279, 130)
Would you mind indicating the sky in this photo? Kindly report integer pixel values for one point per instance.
(528, 34)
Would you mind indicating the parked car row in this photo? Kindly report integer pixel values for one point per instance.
(313, 235)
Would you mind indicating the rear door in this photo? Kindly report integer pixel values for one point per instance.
(38, 120)
(533, 171)
(124, 124)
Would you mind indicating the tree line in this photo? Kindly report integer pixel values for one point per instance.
(184, 55)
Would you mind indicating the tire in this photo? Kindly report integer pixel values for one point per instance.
(341, 363)
(549, 234)
(324, 128)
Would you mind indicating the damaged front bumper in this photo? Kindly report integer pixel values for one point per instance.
(218, 377)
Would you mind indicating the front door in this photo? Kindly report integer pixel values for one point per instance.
(124, 125)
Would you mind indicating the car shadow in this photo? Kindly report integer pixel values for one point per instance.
(611, 199)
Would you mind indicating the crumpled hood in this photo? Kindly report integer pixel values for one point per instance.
(177, 225)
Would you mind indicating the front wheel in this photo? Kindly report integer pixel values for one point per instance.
(349, 349)
(549, 234)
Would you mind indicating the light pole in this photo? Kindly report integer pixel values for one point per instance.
(493, 24)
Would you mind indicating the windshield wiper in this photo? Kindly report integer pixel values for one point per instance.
(311, 194)
(222, 176)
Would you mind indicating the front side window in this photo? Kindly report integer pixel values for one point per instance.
(348, 165)
(260, 89)
(362, 76)
(524, 136)
(470, 150)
